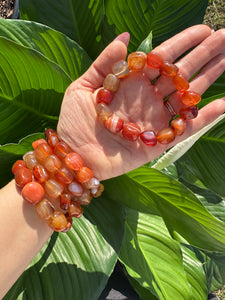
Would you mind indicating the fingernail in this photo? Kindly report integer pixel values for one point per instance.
(212, 31)
(123, 37)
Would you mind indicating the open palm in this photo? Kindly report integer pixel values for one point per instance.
(139, 101)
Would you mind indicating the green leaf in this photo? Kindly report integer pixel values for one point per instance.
(52, 44)
(215, 271)
(78, 264)
(32, 88)
(217, 88)
(146, 44)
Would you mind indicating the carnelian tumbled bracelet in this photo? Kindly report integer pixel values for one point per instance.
(55, 180)
(136, 61)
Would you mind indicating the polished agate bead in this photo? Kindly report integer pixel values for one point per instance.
(111, 83)
(38, 142)
(64, 176)
(190, 98)
(69, 222)
(65, 200)
(52, 137)
(154, 60)
(85, 198)
(53, 188)
(17, 165)
(92, 184)
(165, 136)
(61, 150)
(189, 112)
(49, 132)
(103, 112)
(114, 124)
(167, 69)
(148, 137)
(75, 188)
(136, 61)
(121, 69)
(30, 159)
(97, 193)
(33, 192)
(58, 221)
(179, 125)
(40, 173)
(22, 176)
(75, 209)
(131, 131)
(105, 96)
(74, 161)
(84, 174)
(42, 151)
(180, 83)
(52, 163)
(44, 209)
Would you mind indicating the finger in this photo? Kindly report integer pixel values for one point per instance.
(194, 60)
(114, 52)
(177, 45)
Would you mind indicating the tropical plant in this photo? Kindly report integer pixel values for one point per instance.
(165, 221)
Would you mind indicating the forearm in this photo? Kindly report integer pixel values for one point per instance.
(23, 233)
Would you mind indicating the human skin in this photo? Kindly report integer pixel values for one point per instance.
(109, 155)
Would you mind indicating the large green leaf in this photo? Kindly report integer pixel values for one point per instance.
(52, 44)
(31, 91)
(155, 260)
(93, 24)
(78, 264)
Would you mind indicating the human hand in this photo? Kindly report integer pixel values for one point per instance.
(138, 101)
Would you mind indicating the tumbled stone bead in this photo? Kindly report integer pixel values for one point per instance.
(40, 173)
(69, 222)
(167, 69)
(75, 209)
(61, 150)
(99, 191)
(84, 174)
(58, 221)
(154, 60)
(75, 188)
(114, 124)
(74, 161)
(65, 200)
(49, 132)
(165, 136)
(17, 165)
(189, 112)
(179, 125)
(44, 209)
(180, 83)
(30, 159)
(111, 83)
(136, 61)
(33, 192)
(190, 98)
(52, 163)
(64, 176)
(53, 188)
(52, 137)
(93, 183)
(103, 112)
(22, 176)
(121, 69)
(105, 96)
(38, 142)
(131, 131)
(85, 198)
(148, 137)
(42, 151)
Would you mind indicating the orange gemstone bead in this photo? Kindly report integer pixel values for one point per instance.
(131, 131)
(38, 142)
(105, 96)
(52, 163)
(73, 161)
(75, 188)
(30, 159)
(52, 137)
(84, 174)
(61, 150)
(190, 98)
(17, 165)
(97, 193)
(44, 209)
(64, 176)
(42, 151)
(65, 200)
(69, 222)
(75, 210)
(23, 176)
(92, 184)
(181, 83)
(53, 188)
(85, 198)
(189, 112)
(114, 124)
(167, 69)
(165, 136)
(148, 137)
(40, 173)
(179, 125)
(33, 192)
(154, 60)
(121, 69)
(111, 83)
(58, 221)
(137, 60)
(103, 112)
